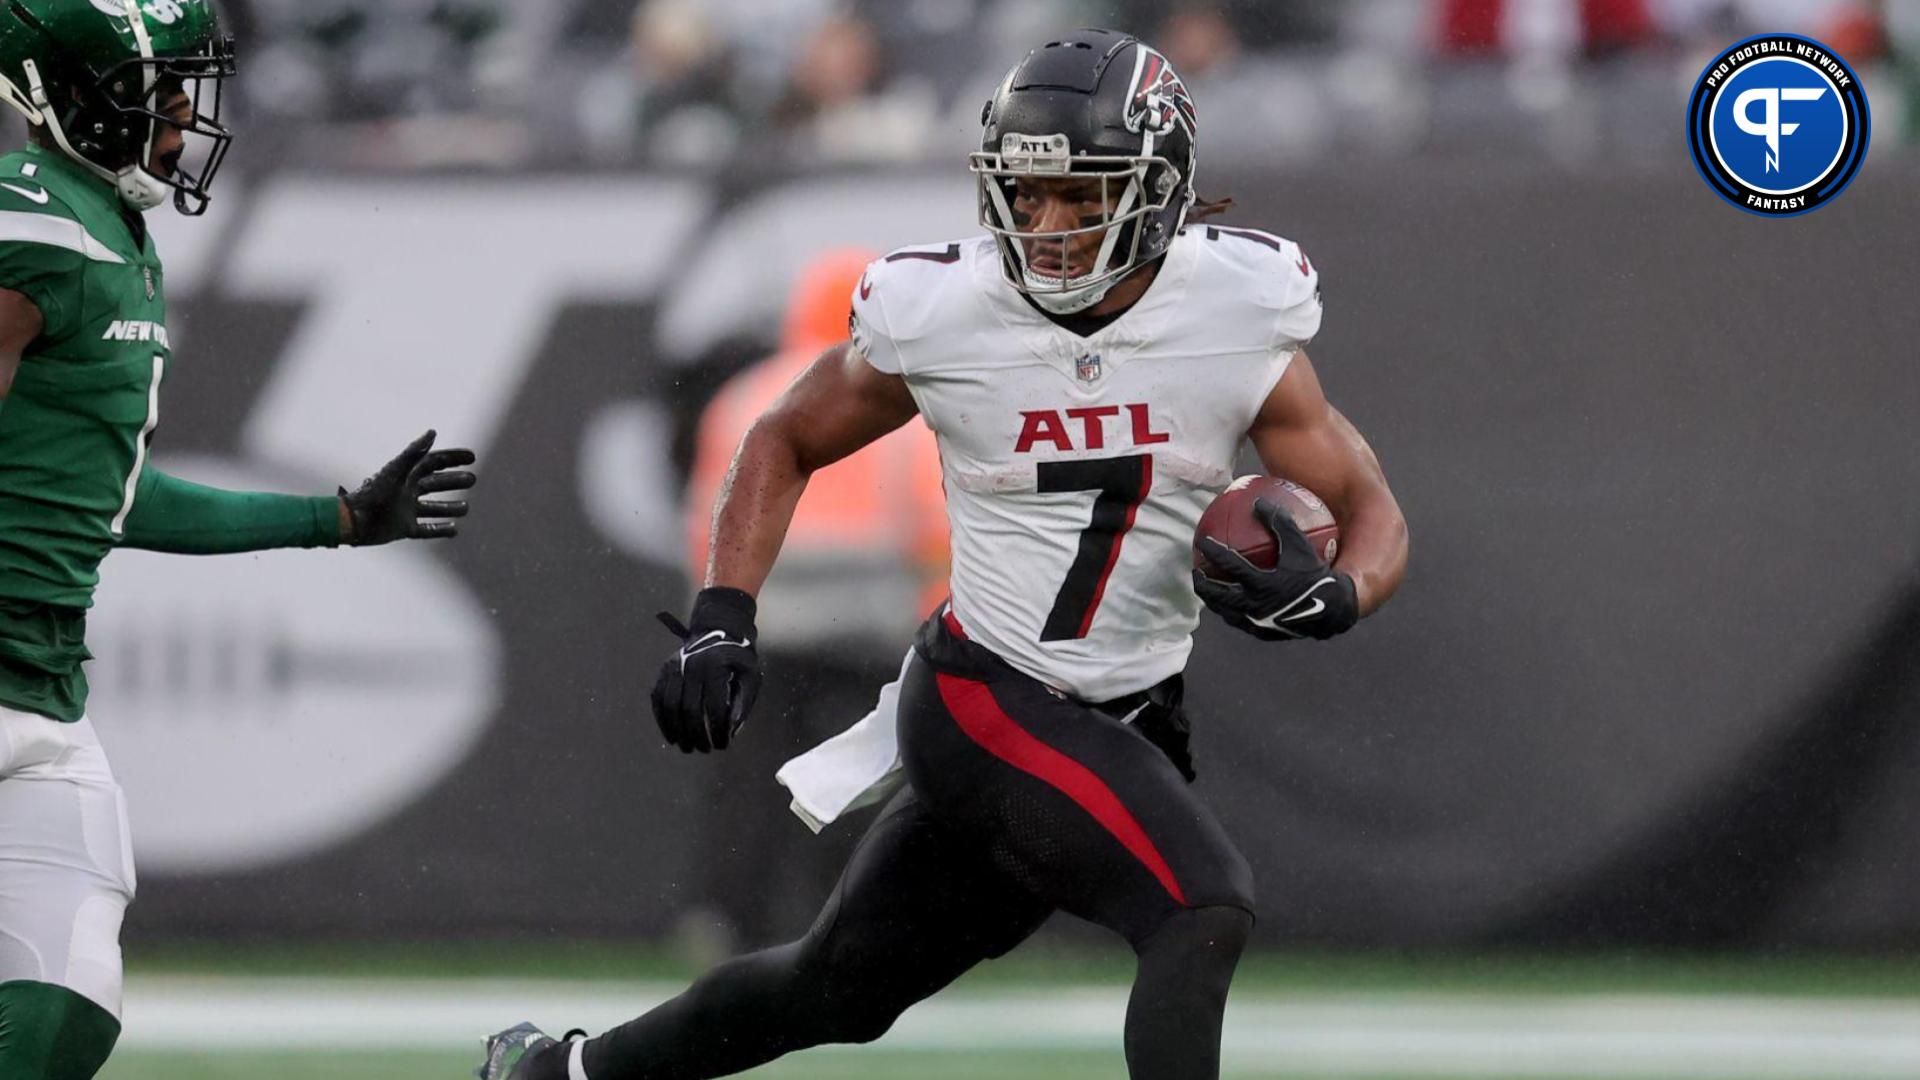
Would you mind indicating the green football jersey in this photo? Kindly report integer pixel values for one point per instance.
(74, 428)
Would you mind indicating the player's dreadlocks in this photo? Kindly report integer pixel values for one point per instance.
(1203, 209)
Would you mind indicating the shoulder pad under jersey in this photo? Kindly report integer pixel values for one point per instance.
(1271, 272)
(909, 294)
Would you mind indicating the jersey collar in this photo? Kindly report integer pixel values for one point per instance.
(73, 182)
(1117, 341)
(70, 171)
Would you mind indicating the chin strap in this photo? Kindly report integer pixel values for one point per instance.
(1066, 301)
(139, 188)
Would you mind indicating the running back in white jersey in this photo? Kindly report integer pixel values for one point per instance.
(1076, 468)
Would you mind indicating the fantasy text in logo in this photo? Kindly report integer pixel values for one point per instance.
(1778, 125)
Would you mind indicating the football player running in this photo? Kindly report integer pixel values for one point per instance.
(1090, 368)
(117, 92)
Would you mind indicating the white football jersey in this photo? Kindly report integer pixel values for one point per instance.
(1077, 467)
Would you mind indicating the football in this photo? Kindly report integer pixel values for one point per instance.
(1230, 519)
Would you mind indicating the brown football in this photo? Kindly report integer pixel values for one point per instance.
(1230, 519)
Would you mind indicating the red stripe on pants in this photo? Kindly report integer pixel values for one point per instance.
(985, 722)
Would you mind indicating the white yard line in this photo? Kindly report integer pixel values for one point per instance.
(1707, 1038)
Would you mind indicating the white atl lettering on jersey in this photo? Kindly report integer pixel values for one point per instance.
(1073, 488)
(136, 330)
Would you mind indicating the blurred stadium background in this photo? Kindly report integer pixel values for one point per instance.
(1624, 785)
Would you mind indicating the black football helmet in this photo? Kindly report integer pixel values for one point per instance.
(1096, 103)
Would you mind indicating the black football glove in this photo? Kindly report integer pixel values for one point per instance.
(1300, 597)
(706, 688)
(392, 505)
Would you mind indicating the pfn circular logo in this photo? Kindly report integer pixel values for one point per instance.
(1778, 125)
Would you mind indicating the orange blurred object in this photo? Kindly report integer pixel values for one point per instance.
(882, 507)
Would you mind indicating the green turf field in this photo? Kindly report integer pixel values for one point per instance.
(818, 1065)
(1044, 961)
(813, 1065)
(1053, 1013)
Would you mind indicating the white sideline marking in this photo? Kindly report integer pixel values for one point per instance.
(1735, 1038)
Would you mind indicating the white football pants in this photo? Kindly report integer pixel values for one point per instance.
(66, 859)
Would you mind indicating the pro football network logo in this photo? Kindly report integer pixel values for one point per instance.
(1778, 125)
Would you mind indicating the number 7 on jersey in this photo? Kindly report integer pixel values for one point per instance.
(1122, 484)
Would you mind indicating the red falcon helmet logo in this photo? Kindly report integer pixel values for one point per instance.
(1159, 99)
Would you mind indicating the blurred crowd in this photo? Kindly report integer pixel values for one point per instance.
(711, 84)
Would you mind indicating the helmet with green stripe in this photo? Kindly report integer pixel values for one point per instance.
(109, 80)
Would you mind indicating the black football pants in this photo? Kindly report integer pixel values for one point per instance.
(1021, 802)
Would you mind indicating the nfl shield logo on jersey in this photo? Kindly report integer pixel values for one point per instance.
(1088, 368)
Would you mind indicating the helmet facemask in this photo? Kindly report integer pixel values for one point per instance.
(202, 80)
(1132, 188)
(112, 123)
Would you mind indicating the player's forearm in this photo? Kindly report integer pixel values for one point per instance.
(755, 506)
(1373, 548)
(184, 518)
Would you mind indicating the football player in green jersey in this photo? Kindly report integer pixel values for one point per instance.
(123, 101)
